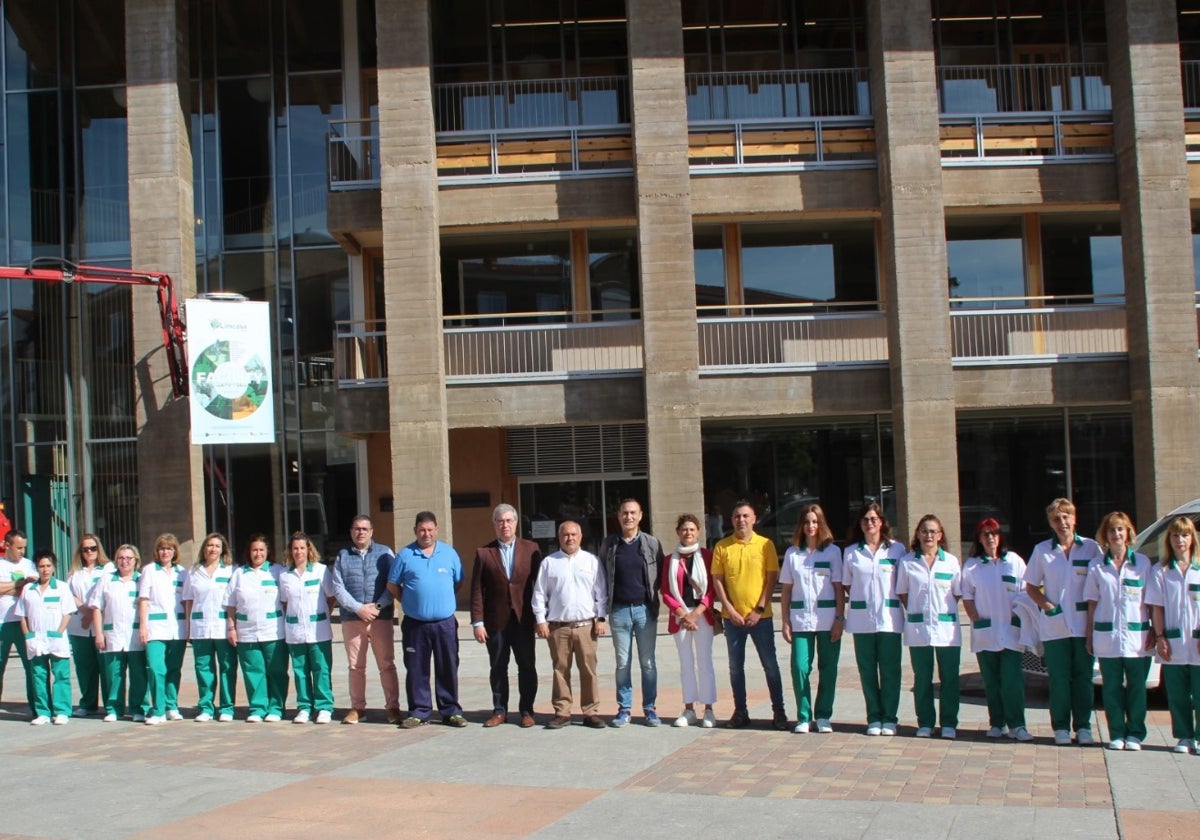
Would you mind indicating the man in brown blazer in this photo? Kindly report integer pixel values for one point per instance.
(501, 588)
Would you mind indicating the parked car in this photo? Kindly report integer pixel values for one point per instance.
(1149, 542)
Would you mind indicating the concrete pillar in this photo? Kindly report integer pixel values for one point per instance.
(162, 238)
(912, 263)
(668, 283)
(1152, 180)
(411, 269)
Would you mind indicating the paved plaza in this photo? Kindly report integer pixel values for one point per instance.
(282, 780)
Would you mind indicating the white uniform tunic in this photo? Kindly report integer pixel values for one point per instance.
(1122, 619)
(254, 595)
(81, 583)
(871, 579)
(117, 601)
(43, 613)
(1177, 590)
(994, 586)
(306, 607)
(162, 589)
(10, 571)
(1062, 582)
(931, 619)
(813, 576)
(207, 596)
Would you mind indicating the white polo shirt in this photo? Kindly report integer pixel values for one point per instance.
(305, 604)
(81, 583)
(117, 601)
(994, 585)
(1121, 622)
(254, 596)
(161, 588)
(10, 571)
(207, 596)
(1062, 579)
(932, 592)
(1177, 591)
(43, 613)
(871, 581)
(813, 576)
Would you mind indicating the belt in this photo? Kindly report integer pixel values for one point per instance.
(554, 625)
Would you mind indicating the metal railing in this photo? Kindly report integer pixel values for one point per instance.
(821, 142)
(791, 342)
(531, 103)
(778, 94)
(1026, 138)
(541, 154)
(1191, 85)
(353, 154)
(1023, 88)
(1035, 334)
(543, 351)
(360, 354)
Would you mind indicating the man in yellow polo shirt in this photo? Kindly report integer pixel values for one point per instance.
(745, 569)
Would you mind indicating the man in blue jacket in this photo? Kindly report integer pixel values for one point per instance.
(360, 576)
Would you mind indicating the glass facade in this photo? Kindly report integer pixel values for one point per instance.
(509, 274)
(1081, 258)
(986, 260)
(830, 264)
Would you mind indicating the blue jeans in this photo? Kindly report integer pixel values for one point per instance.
(763, 636)
(629, 622)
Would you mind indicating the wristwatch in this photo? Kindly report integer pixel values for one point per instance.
(760, 610)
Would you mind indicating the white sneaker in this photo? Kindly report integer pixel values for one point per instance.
(203, 717)
(1196, 746)
(225, 718)
(709, 720)
(874, 728)
(61, 720)
(324, 716)
(155, 720)
(273, 718)
(949, 733)
(888, 729)
(138, 718)
(301, 716)
(79, 712)
(688, 718)
(997, 732)
(1116, 744)
(925, 732)
(824, 726)
(1084, 737)
(1020, 734)
(1184, 746)
(173, 714)
(40, 720)
(1134, 744)
(110, 718)
(254, 719)
(801, 728)
(1062, 737)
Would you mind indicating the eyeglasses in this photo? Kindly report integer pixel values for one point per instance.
(358, 528)
(871, 519)
(929, 532)
(989, 534)
(89, 548)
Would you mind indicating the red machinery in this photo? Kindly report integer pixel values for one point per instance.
(174, 332)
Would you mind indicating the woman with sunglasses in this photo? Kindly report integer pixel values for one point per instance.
(92, 564)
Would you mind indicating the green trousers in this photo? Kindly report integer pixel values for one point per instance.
(265, 676)
(51, 685)
(878, 658)
(164, 664)
(1123, 690)
(91, 677)
(216, 675)
(1070, 669)
(806, 646)
(948, 659)
(10, 637)
(1183, 698)
(120, 665)
(310, 667)
(1004, 686)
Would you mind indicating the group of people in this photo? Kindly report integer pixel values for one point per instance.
(127, 624)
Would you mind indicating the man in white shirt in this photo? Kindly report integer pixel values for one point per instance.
(569, 598)
(15, 572)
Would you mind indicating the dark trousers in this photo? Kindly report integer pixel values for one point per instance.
(423, 641)
(516, 642)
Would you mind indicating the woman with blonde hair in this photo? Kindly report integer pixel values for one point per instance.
(1175, 619)
(811, 575)
(213, 657)
(114, 614)
(163, 627)
(1118, 625)
(91, 565)
(306, 593)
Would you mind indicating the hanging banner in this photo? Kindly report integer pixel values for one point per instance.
(229, 364)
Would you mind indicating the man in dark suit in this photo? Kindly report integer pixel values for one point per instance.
(501, 588)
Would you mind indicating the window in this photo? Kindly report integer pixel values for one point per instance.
(831, 264)
(506, 274)
(1081, 258)
(708, 255)
(613, 274)
(986, 260)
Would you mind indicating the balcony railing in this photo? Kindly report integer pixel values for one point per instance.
(1036, 334)
(1023, 88)
(360, 354)
(540, 155)
(778, 94)
(531, 103)
(790, 342)
(1024, 139)
(543, 351)
(1191, 107)
(825, 142)
(353, 154)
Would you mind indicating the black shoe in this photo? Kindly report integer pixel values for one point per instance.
(558, 721)
(780, 722)
(740, 719)
(412, 723)
(457, 721)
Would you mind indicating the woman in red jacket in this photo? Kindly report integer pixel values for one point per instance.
(687, 591)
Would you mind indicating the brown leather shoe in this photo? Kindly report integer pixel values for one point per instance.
(354, 716)
(495, 720)
(558, 722)
(594, 722)
(527, 720)
(395, 715)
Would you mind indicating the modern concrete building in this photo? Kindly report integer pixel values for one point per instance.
(932, 253)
